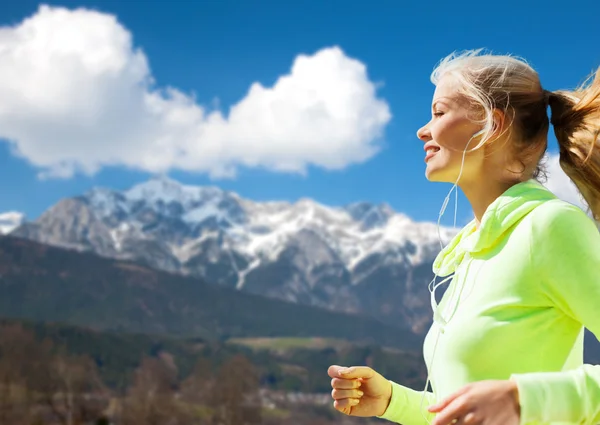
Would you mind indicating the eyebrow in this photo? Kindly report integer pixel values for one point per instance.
(438, 101)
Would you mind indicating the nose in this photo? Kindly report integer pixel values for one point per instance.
(424, 134)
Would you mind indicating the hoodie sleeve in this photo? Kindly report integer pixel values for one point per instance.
(405, 406)
(566, 248)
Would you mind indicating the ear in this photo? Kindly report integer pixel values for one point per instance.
(499, 129)
(499, 123)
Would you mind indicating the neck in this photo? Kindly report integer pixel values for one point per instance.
(481, 196)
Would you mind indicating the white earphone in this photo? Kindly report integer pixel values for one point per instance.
(447, 199)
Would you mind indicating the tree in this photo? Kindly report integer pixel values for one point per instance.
(235, 395)
(150, 399)
(72, 389)
(196, 389)
(18, 352)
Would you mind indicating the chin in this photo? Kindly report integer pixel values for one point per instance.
(434, 175)
(442, 169)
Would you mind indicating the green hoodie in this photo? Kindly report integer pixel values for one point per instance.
(527, 282)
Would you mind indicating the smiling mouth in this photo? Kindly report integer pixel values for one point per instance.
(430, 152)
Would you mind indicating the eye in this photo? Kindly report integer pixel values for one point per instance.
(438, 114)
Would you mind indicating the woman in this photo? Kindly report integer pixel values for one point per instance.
(506, 345)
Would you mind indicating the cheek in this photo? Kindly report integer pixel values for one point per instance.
(452, 134)
(442, 138)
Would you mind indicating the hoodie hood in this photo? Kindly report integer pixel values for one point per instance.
(502, 214)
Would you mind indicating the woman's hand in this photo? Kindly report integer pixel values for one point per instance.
(480, 403)
(359, 390)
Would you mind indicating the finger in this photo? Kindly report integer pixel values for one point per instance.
(342, 394)
(345, 384)
(447, 400)
(455, 410)
(356, 372)
(345, 405)
(470, 418)
(332, 371)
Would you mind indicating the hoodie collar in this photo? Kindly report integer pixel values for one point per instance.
(500, 216)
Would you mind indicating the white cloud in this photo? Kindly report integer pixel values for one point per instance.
(77, 96)
(560, 184)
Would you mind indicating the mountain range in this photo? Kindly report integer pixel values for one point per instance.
(360, 258)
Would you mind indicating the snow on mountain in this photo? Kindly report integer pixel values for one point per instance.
(255, 229)
(10, 221)
(166, 190)
(191, 204)
(352, 236)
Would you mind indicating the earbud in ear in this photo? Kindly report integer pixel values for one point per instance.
(479, 133)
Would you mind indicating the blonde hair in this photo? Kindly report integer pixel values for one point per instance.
(511, 85)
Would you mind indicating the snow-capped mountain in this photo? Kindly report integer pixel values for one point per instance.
(360, 257)
(10, 221)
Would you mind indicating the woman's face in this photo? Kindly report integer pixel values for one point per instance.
(447, 136)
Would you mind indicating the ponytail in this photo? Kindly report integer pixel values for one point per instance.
(575, 116)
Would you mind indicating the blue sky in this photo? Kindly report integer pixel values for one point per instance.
(211, 50)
